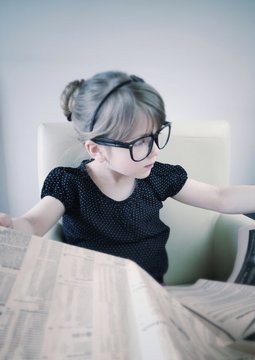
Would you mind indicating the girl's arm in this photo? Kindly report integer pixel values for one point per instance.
(229, 199)
(39, 219)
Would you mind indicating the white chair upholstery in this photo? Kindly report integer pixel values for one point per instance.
(202, 243)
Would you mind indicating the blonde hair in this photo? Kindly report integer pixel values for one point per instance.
(118, 114)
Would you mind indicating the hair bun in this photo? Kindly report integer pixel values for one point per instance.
(67, 98)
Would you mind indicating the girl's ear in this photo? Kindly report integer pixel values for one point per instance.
(94, 150)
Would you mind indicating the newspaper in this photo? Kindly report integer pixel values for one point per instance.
(244, 267)
(59, 301)
(228, 307)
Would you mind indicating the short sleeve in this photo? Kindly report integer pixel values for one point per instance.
(60, 184)
(167, 180)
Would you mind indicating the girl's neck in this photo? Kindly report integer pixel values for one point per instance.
(114, 185)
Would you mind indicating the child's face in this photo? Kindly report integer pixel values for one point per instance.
(120, 161)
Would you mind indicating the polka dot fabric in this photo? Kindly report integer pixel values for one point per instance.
(130, 228)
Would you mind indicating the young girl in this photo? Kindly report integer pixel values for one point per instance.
(111, 202)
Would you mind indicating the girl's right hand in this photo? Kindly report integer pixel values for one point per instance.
(6, 220)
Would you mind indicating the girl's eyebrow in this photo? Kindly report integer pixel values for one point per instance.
(152, 127)
(141, 136)
(147, 134)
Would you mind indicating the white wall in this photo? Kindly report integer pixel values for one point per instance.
(199, 54)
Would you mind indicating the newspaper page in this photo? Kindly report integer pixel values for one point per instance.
(244, 267)
(60, 302)
(229, 307)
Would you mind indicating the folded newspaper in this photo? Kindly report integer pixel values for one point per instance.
(244, 267)
(59, 301)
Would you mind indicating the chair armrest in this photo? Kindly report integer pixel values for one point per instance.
(225, 239)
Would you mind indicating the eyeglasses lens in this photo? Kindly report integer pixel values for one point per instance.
(142, 147)
(163, 137)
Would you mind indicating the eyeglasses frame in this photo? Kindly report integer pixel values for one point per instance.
(129, 145)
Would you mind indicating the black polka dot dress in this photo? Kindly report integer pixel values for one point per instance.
(130, 228)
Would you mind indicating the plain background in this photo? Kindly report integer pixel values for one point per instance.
(199, 54)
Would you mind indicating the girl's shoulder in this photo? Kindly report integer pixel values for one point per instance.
(69, 172)
(64, 177)
(167, 171)
(166, 168)
(167, 179)
(65, 184)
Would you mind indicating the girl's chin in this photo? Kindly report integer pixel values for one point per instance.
(144, 175)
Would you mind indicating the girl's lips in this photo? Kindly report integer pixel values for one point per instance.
(150, 166)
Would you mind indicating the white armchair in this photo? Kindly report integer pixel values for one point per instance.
(202, 243)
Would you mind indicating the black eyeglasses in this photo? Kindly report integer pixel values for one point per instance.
(140, 148)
